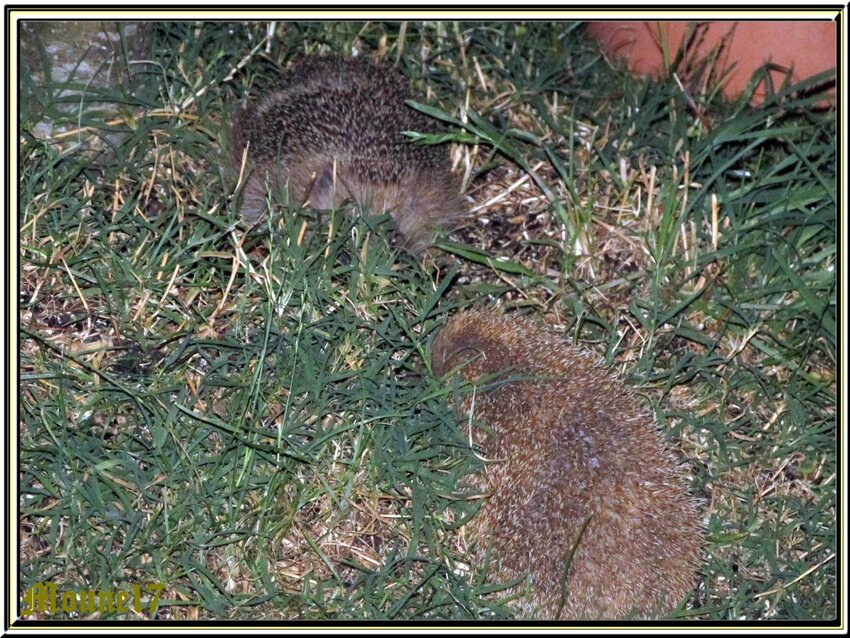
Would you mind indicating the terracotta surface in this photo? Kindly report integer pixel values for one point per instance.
(805, 48)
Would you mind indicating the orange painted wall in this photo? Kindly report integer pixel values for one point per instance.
(804, 47)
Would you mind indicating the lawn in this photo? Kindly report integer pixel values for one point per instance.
(248, 417)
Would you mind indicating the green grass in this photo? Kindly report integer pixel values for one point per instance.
(250, 419)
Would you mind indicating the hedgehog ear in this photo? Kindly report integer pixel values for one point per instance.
(324, 184)
(322, 188)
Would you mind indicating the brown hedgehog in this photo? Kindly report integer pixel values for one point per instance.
(331, 131)
(583, 495)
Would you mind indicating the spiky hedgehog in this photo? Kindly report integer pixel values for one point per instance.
(585, 496)
(330, 130)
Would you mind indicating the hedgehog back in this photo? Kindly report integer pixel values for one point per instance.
(576, 464)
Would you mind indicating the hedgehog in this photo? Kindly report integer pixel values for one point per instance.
(330, 131)
(585, 504)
